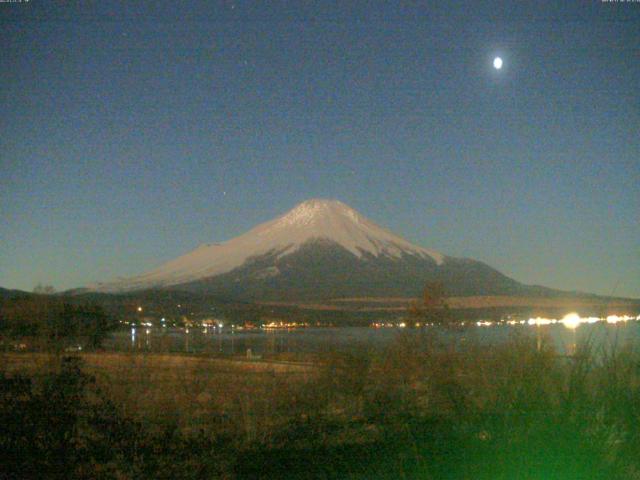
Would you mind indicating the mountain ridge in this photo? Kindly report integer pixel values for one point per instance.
(308, 221)
(320, 249)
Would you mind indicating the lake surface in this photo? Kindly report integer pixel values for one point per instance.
(229, 341)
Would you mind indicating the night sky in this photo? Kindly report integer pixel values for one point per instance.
(133, 132)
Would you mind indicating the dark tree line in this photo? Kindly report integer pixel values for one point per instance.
(54, 320)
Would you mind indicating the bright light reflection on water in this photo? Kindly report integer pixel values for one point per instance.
(563, 334)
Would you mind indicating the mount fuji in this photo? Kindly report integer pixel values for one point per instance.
(320, 249)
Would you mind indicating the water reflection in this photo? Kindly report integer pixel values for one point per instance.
(227, 341)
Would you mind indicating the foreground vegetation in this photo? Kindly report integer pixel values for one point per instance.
(420, 409)
(51, 323)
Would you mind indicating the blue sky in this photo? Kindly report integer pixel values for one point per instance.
(133, 131)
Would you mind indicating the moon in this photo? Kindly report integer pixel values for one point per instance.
(497, 63)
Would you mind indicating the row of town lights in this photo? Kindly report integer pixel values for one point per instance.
(570, 321)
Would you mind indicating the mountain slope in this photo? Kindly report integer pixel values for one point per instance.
(320, 249)
(321, 269)
(7, 294)
(311, 220)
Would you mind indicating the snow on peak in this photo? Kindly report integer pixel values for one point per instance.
(312, 211)
(310, 220)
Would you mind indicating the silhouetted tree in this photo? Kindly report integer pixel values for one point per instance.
(44, 289)
(433, 308)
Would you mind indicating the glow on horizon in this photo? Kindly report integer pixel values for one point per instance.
(571, 320)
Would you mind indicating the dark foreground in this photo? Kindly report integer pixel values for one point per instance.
(420, 409)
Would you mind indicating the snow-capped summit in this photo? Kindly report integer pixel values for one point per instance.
(330, 221)
(333, 220)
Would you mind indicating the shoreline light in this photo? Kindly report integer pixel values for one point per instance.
(571, 321)
(542, 321)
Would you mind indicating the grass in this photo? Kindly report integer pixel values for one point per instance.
(422, 408)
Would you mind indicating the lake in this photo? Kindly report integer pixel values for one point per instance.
(228, 341)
